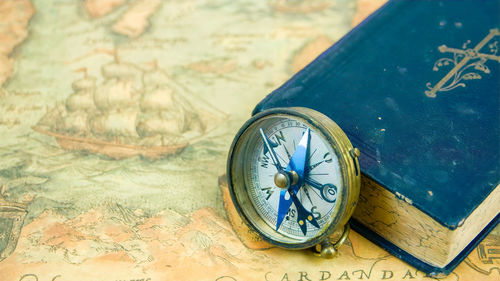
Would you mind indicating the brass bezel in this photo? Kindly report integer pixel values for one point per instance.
(349, 166)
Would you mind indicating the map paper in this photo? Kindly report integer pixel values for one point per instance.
(101, 197)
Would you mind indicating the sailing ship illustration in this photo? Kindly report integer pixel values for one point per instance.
(12, 216)
(131, 112)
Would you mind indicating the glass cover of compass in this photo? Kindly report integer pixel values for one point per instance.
(293, 176)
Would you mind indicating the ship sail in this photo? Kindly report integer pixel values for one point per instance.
(83, 97)
(115, 123)
(162, 123)
(115, 93)
(159, 99)
(75, 123)
(163, 110)
(86, 83)
(82, 100)
(124, 71)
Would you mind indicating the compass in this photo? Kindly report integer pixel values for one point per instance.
(294, 178)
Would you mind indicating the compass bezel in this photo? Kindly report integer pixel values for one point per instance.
(347, 196)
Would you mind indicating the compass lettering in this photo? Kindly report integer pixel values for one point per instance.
(279, 137)
(281, 140)
(290, 214)
(264, 161)
(314, 211)
(269, 191)
(327, 158)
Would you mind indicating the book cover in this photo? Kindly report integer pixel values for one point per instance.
(416, 88)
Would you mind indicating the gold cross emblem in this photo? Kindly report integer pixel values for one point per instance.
(466, 62)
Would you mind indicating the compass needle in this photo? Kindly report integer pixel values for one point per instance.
(287, 152)
(298, 160)
(283, 207)
(269, 148)
(297, 165)
(303, 214)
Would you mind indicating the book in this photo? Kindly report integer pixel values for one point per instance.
(416, 87)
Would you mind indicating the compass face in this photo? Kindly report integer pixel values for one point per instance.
(291, 176)
(322, 166)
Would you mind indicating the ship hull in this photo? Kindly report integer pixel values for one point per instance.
(113, 150)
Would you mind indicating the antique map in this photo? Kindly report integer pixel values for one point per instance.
(92, 184)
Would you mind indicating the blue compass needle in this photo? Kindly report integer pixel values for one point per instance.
(297, 163)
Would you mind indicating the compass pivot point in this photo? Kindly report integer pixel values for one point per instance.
(294, 176)
(281, 180)
(284, 179)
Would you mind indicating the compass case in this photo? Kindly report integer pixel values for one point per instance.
(349, 174)
(416, 88)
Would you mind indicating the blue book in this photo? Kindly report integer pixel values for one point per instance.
(416, 87)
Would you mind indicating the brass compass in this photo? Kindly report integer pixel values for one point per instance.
(294, 178)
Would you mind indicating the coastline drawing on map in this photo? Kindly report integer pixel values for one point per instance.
(12, 216)
(132, 112)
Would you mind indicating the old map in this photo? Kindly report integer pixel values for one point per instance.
(93, 185)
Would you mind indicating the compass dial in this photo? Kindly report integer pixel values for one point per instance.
(293, 176)
(322, 167)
